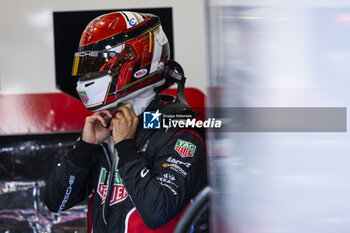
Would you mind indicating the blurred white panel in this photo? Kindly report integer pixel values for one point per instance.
(280, 54)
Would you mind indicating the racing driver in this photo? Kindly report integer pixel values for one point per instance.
(136, 179)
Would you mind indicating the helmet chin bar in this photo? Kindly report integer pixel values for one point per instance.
(141, 98)
(135, 98)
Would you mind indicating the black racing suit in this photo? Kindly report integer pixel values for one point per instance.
(155, 177)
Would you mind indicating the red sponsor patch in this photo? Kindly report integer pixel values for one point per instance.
(118, 192)
(185, 148)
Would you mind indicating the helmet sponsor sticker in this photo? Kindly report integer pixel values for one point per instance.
(132, 22)
(140, 73)
(83, 96)
(185, 148)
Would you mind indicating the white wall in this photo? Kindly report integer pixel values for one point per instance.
(27, 46)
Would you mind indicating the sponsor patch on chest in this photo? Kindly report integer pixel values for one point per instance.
(185, 148)
(118, 192)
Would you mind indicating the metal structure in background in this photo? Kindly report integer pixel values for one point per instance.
(25, 162)
(279, 54)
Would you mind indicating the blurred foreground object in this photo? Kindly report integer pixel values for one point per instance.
(279, 55)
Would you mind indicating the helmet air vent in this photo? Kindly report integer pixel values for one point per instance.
(89, 84)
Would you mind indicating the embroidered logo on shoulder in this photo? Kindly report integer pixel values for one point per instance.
(185, 148)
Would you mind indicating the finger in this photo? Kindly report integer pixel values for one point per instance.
(133, 116)
(132, 113)
(113, 111)
(105, 114)
(135, 120)
(127, 112)
(114, 124)
(119, 116)
(108, 113)
(100, 119)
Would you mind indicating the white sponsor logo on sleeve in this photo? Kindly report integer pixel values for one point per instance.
(68, 192)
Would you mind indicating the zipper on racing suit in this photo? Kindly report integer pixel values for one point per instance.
(110, 178)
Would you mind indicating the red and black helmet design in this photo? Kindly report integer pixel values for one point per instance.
(119, 53)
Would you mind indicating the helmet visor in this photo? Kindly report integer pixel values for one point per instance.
(100, 61)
